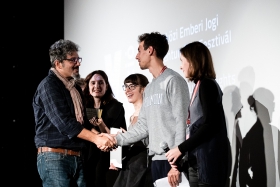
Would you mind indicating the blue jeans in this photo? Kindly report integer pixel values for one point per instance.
(60, 170)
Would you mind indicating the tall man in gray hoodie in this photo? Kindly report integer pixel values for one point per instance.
(165, 106)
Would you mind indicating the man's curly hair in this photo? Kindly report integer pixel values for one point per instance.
(60, 49)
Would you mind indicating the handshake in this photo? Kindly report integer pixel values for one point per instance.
(107, 142)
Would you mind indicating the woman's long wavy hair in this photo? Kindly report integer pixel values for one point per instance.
(108, 96)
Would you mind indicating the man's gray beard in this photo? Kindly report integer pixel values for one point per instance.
(76, 76)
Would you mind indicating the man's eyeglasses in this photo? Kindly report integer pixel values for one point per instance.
(130, 87)
(75, 60)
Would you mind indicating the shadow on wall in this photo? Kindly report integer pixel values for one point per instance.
(260, 140)
(232, 107)
(254, 155)
(249, 115)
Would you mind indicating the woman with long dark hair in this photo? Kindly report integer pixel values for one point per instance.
(104, 112)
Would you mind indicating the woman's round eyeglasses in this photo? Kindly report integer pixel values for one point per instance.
(130, 86)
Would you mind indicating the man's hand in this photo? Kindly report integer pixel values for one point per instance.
(105, 142)
(110, 137)
(174, 177)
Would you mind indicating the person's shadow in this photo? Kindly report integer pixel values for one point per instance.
(232, 107)
(257, 160)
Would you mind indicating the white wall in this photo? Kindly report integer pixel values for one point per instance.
(243, 37)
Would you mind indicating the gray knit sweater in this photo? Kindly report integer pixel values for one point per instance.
(162, 116)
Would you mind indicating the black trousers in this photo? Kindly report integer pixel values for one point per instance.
(160, 169)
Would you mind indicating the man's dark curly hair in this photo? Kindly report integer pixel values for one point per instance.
(158, 41)
(60, 49)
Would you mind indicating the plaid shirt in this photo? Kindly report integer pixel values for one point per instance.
(56, 125)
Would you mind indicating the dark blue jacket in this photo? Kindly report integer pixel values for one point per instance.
(208, 143)
(55, 120)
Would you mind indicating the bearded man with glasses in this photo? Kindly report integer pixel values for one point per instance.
(61, 125)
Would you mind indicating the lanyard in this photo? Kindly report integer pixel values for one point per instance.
(194, 92)
(162, 70)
